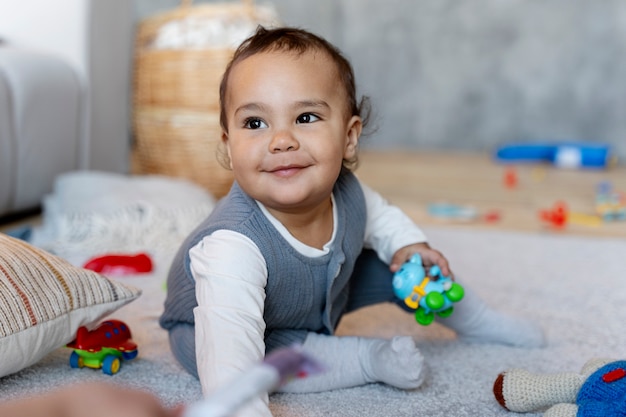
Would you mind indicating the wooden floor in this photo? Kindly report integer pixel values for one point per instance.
(416, 180)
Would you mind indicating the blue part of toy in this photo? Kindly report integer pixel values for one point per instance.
(410, 274)
(434, 271)
(604, 188)
(427, 293)
(129, 355)
(571, 154)
(452, 211)
(75, 361)
(604, 392)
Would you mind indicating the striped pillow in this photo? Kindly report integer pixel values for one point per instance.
(45, 299)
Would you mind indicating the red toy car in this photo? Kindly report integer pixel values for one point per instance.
(103, 347)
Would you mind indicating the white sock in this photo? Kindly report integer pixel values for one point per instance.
(354, 361)
(474, 321)
(396, 362)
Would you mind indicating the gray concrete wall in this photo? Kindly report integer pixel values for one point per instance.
(472, 74)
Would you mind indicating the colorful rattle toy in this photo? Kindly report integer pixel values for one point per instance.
(610, 204)
(103, 347)
(428, 293)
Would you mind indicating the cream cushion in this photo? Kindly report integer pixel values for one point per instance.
(44, 300)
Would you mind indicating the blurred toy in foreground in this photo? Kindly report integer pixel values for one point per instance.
(559, 216)
(462, 213)
(278, 368)
(563, 154)
(598, 390)
(103, 347)
(452, 211)
(610, 204)
(426, 293)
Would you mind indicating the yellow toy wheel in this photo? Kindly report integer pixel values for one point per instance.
(111, 365)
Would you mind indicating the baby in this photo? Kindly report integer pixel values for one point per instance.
(299, 241)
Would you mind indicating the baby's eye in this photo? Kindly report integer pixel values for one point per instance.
(307, 118)
(254, 123)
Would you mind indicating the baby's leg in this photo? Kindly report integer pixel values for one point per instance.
(475, 321)
(354, 361)
(370, 282)
(183, 345)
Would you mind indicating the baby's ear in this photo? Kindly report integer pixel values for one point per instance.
(226, 146)
(355, 126)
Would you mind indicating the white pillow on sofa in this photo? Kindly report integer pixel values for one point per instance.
(45, 299)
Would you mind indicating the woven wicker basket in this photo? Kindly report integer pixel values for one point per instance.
(176, 95)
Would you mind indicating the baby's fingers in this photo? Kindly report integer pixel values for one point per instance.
(399, 258)
(434, 257)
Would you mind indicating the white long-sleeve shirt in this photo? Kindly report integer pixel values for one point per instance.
(231, 275)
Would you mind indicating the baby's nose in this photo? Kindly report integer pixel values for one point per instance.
(283, 141)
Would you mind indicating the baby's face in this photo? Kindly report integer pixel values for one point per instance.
(288, 131)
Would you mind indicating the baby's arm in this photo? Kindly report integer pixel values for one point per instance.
(230, 276)
(394, 236)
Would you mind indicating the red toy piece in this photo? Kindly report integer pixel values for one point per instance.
(120, 264)
(510, 177)
(103, 347)
(556, 216)
(492, 216)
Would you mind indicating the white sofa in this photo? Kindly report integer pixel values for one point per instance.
(65, 77)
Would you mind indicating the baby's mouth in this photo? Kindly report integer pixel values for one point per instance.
(287, 170)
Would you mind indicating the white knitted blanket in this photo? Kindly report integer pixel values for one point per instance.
(92, 213)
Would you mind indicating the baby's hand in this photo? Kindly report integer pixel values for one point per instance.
(105, 399)
(429, 256)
